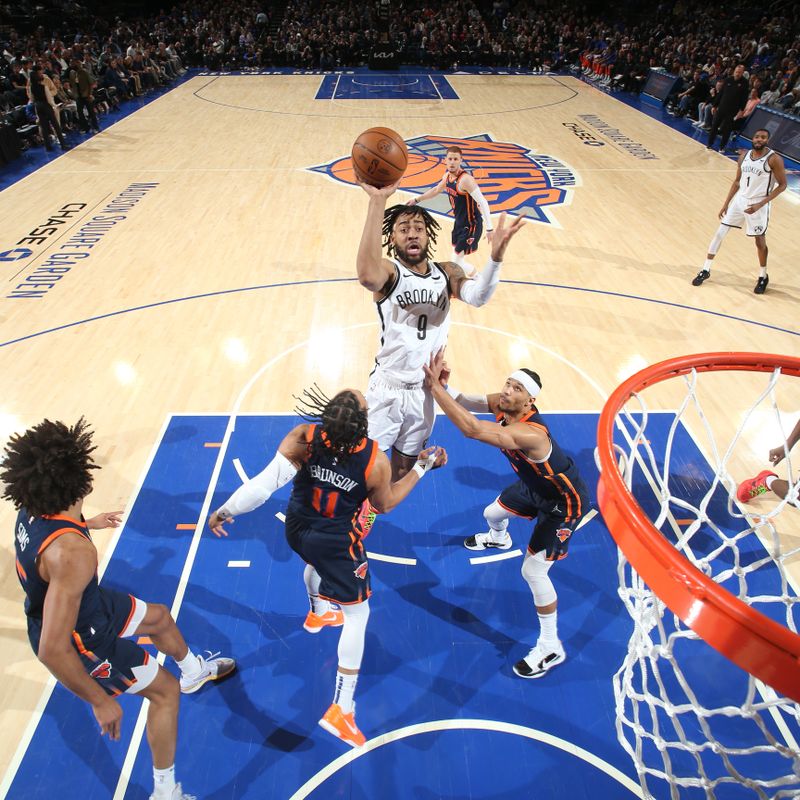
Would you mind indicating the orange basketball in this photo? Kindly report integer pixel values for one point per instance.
(379, 157)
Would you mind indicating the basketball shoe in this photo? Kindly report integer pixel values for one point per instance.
(540, 659)
(488, 541)
(342, 726)
(333, 618)
(365, 519)
(701, 276)
(211, 669)
(753, 487)
(177, 794)
(761, 285)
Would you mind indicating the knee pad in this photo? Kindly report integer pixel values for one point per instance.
(721, 233)
(496, 516)
(534, 570)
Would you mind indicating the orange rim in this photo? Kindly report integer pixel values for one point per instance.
(757, 644)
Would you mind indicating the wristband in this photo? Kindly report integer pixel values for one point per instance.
(454, 393)
(223, 513)
(419, 469)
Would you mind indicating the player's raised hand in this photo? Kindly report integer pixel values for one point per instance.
(215, 522)
(432, 458)
(434, 370)
(374, 191)
(502, 235)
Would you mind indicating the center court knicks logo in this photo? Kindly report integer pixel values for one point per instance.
(17, 254)
(511, 176)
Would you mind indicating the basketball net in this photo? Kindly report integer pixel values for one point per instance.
(717, 572)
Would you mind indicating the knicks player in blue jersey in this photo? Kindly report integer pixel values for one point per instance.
(335, 467)
(549, 490)
(470, 210)
(79, 630)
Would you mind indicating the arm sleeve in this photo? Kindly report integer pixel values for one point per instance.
(477, 403)
(258, 490)
(478, 197)
(478, 292)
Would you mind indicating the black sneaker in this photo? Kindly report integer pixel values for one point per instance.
(761, 285)
(701, 276)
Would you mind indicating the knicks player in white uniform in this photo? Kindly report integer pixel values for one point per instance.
(413, 295)
(760, 178)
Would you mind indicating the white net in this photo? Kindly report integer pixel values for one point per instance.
(685, 714)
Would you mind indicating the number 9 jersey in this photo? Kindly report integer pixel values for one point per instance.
(415, 321)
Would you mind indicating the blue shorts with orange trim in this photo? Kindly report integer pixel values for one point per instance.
(466, 238)
(339, 559)
(552, 532)
(113, 662)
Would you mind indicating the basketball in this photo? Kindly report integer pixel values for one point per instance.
(379, 157)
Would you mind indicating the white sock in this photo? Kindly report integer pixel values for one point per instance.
(548, 624)
(499, 534)
(708, 263)
(763, 273)
(318, 605)
(345, 689)
(164, 782)
(770, 480)
(189, 665)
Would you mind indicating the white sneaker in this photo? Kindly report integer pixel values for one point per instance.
(211, 669)
(540, 659)
(177, 794)
(487, 541)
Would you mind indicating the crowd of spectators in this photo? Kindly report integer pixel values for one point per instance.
(89, 63)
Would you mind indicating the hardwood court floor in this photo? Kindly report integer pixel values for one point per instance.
(210, 269)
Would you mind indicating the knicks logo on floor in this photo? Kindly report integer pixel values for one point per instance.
(511, 176)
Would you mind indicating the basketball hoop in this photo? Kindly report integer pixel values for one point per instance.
(721, 570)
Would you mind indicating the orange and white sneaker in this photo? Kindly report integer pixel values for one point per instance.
(753, 487)
(333, 618)
(342, 726)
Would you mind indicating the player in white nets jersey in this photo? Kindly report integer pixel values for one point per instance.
(760, 178)
(413, 295)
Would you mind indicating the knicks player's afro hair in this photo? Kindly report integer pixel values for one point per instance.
(49, 467)
(343, 420)
(391, 215)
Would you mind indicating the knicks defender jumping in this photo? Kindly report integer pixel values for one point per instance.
(470, 209)
(550, 490)
(335, 468)
(760, 178)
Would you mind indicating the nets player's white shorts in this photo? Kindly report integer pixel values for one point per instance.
(400, 415)
(755, 223)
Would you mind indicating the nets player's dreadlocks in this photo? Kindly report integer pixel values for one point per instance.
(49, 467)
(344, 421)
(391, 215)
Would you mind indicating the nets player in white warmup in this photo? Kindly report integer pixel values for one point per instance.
(760, 178)
(412, 294)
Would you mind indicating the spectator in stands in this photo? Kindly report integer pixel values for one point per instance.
(42, 99)
(694, 94)
(706, 110)
(83, 85)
